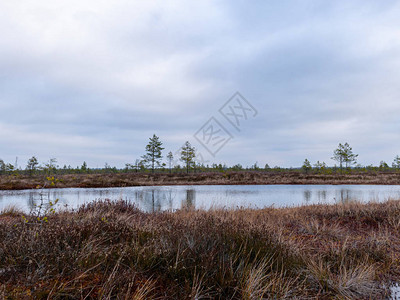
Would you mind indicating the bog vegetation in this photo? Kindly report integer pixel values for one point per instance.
(111, 250)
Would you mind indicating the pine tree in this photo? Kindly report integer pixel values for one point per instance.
(153, 154)
(306, 166)
(187, 155)
(344, 155)
(320, 166)
(32, 165)
(84, 167)
(2, 167)
(396, 162)
(383, 166)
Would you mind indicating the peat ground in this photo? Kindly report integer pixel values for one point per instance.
(19, 182)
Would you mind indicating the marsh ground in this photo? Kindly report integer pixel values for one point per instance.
(18, 182)
(111, 250)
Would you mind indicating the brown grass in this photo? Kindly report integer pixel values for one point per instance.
(18, 182)
(111, 250)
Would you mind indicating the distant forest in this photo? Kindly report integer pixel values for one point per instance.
(185, 161)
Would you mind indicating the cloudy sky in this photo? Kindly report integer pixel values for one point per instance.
(93, 80)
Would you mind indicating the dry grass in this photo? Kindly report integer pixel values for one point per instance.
(111, 250)
(11, 211)
(18, 181)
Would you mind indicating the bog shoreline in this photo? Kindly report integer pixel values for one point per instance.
(22, 182)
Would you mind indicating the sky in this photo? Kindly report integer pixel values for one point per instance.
(93, 80)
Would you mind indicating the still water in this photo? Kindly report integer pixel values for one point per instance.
(206, 196)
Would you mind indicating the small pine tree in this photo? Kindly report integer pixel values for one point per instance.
(344, 155)
(396, 162)
(306, 166)
(320, 166)
(32, 165)
(2, 167)
(51, 166)
(187, 155)
(153, 154)
(383, 166)
(84, 167)
(9, 168)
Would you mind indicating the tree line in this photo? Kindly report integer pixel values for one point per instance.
(152, 161)
(347, 161)
(153, 156)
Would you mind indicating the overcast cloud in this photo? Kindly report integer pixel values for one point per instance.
(93, 80)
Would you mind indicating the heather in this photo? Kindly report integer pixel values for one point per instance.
(111, 250)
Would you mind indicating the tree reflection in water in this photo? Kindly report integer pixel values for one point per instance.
(149, 200)
(322, 196)
(159, 199)
(343, 195)
(189, 202)
(307, 196)
(34, 198)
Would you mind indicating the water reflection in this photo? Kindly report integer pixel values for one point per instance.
(307, 196)
(348, 195)
(154, 199)
(189, 202)
(344, 196)
(321, 195)
(159, 199)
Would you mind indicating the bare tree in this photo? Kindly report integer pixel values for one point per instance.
(170, 158)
